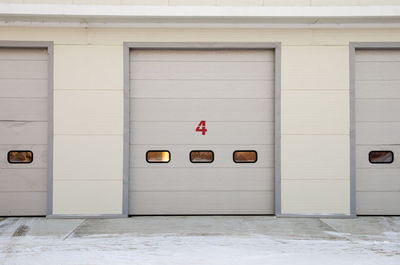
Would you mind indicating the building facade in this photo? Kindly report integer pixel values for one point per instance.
(117, 108)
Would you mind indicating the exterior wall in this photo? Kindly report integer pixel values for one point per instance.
(88, 129)
(214, 2)
(315, 130)
(88, 111)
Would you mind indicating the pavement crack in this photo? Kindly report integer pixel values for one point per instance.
(74, 230)
(337, 233)
(22, 230)
(328, 226)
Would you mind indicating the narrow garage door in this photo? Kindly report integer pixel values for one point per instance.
(378, 132)
(228, 96)
(23, 131)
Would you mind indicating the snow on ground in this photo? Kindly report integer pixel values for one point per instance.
(166, 249)
(250, 245)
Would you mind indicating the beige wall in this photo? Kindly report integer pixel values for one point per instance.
(88, 111)
(215, 2)
(88, 129)
(315, 129)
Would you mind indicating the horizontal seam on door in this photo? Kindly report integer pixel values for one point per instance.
(200, 190)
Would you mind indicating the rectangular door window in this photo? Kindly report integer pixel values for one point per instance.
(158, 156)
(245, 156)
(201, 156)
(381, 157)
(20, 157)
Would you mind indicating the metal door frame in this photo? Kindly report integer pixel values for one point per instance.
(276, 46)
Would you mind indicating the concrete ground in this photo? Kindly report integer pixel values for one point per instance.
(200, 240)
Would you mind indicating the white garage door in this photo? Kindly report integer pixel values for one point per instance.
(23, 131)
(378, 132)
(201, 106)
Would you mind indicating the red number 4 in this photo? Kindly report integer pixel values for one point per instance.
(202, 128)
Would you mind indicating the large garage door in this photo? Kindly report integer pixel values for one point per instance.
(23, 131)
(378, 132)
(194, 109)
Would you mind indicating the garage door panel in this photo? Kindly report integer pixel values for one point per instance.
(377, 89)
(223, 156)
(29, 69)
(377, 70)
(202, 89)
(377, 110)
(184, 133)
(378, 56)
(229, 202)
(381, 179)
(171, 91)
(202, 55)
(23, 180)
(20, 54)
(23, 88)
(362, 160)
(23, 132)
(23, 203)
(202, 179)
(377, 106)
(378, 203)
(202, 109)
(39, 156)
(23, 109)
(202, 70)
(378, 133)
(23, 127)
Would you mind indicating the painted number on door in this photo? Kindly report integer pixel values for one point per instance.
(202, 128)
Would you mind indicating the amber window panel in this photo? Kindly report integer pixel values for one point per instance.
(245, 156)
(20, 157)
(158, 156)
(201, 156)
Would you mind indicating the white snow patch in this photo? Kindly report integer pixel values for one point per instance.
(210, 250)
